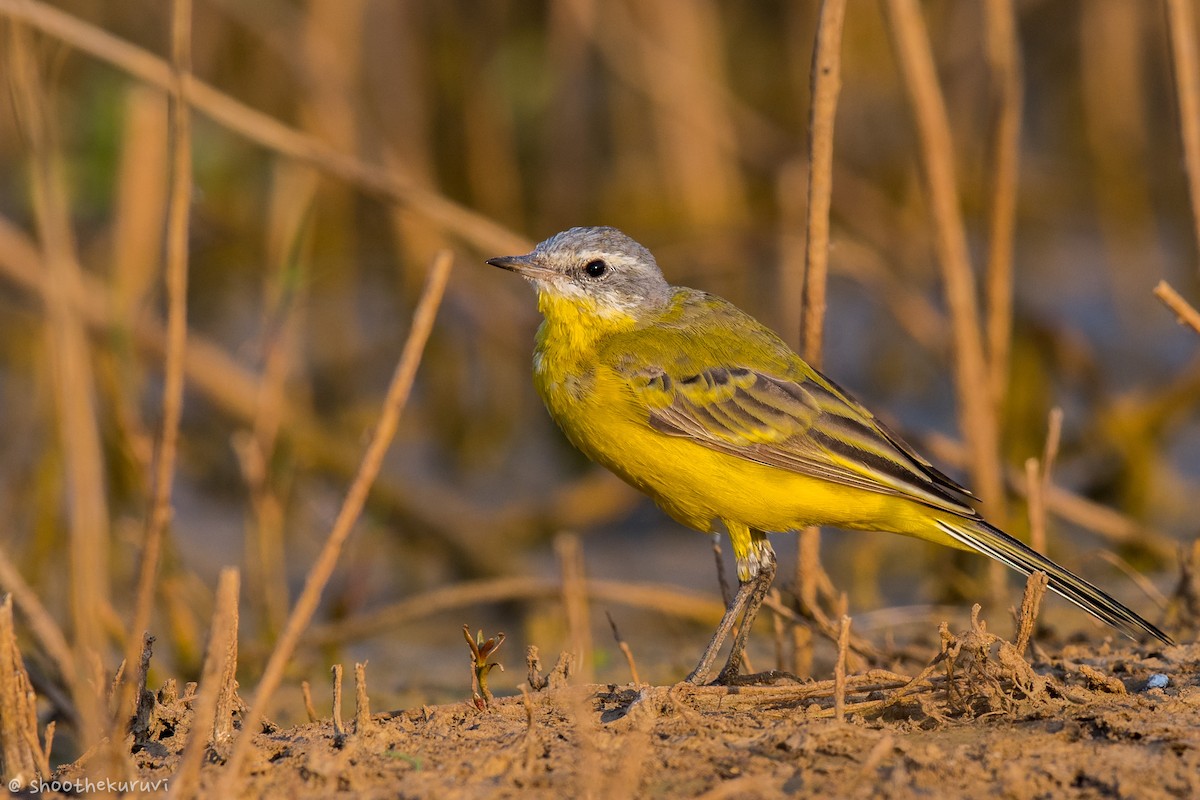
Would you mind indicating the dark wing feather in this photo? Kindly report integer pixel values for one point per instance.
(807, 426)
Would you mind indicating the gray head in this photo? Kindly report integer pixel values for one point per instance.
(601, 265)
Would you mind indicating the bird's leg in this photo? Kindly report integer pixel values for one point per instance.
(699, 675)
(756, 569)
(759, 585)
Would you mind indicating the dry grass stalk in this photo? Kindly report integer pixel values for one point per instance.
(533, 669)
(1184, 311)
(178, 214)
(22, 758)
(71, 367)
(217, 658)
(575, 602)
(839, 670)
(977, 417)
(825, 80)
(143, 710)
(1031, 603)
(339, 731)
(363, 724)
(1004, 59)
(309, 708)
(266, 131)
(1181, 20)
(322, 568)
(625, 650)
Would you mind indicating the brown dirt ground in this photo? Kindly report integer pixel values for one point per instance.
(980, 722)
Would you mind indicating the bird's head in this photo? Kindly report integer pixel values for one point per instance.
(598, 269)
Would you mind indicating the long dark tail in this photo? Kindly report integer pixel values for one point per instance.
(977, 535)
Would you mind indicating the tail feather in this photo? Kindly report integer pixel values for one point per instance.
(981, 537)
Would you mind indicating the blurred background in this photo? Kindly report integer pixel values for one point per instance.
(482, 128)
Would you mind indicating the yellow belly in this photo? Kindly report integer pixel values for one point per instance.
(697, 485)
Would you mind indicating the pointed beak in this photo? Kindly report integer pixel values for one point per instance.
(525, 266)
(511, 263)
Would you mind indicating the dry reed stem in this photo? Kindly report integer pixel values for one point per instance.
(217, 658)
(575, 602)
(977, 417)
(41, 623)
(1184, 311)
(825, 81)
(363, 724)
(309, 708)
(839, 670)
(266, 131)
(1004, 58)
(71, 368)
(322, 568)
(22, 758)
(1181, 21)
(143, 708)
(339, 731)
(1031, 603)
(1035, 498)
(178, 212)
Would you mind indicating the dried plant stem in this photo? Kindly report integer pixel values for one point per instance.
(74, 386)
(309, 708)
(219, 660)
(623, 646)
(826, 83)
(1031, 602)
(266, 131)
(22, 758)
(976, 413)
(1181, 20)
(839, 670)
(1004, 57)
(825, 79)
(1184, 311)
(322, 568)
(363, 723)
(179, 205)
(339, 729)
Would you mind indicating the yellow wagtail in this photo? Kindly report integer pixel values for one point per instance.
(700, 406)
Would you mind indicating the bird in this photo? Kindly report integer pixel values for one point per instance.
(700, 406)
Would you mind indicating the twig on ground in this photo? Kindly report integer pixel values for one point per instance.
(625, 649)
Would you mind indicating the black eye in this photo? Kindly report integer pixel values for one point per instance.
(595, 268)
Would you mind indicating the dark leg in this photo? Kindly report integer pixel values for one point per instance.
(699, 675)
(759, 585)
